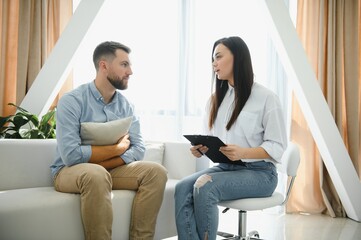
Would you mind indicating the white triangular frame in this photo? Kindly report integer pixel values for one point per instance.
(300, 74)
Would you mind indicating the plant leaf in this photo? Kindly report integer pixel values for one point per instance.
(47, 122)
(34, 133)
(47, 117)
(19, 121)
(11, 126)
(13, 135)
(18, 108)
(4, 120)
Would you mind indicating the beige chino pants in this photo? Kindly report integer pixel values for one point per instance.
(94, 184)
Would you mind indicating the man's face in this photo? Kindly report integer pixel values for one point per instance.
(119, 70)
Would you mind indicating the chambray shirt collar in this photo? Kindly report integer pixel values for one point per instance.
(97, 95)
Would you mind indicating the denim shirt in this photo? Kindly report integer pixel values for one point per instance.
(86, 104)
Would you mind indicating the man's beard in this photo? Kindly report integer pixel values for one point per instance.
(118, 83)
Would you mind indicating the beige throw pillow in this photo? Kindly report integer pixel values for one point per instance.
(108, 133)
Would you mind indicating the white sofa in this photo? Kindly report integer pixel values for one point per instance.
(30, 208)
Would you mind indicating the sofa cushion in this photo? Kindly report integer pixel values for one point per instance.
(43, 213)
(154, 152)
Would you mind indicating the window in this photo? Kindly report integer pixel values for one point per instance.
(171, 42)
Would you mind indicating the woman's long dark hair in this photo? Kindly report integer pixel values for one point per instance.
(243, 79)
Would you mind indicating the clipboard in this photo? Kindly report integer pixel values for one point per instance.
(213, 143)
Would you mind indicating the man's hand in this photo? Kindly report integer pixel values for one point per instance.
(123, 144)
(105, 153)
(121, 147)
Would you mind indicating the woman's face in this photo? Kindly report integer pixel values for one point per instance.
(223, 63)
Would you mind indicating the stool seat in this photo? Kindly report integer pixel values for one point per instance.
(251, 204)
(290, 162)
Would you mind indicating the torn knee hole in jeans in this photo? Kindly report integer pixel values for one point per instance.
(202, 180)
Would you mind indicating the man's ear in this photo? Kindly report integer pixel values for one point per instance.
(103, 65)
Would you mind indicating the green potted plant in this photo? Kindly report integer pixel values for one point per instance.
(25, 125)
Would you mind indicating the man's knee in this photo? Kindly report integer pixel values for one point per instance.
(94, 174)
(154, 168)
(160, 172)
(155, 172)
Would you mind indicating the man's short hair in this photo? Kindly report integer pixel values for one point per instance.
(106, 49)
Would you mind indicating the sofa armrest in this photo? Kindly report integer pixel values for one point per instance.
(180, 162)
(25, 163)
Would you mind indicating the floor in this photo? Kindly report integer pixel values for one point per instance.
(279, 226)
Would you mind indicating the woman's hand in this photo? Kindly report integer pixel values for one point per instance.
(233, 152)
(198, 150)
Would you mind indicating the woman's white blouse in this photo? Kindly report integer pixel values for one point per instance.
(260, 123)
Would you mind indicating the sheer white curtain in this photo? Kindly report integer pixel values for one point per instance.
(171, 42)
(214, 19)
(150, 29)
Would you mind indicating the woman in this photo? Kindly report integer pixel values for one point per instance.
(248, 118)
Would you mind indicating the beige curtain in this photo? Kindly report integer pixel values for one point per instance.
(330, 31)
(29, 31)
(8, 53)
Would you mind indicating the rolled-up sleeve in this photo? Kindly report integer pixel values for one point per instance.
(67, 132)
(275, 138)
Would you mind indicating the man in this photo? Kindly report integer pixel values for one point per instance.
(93, 171)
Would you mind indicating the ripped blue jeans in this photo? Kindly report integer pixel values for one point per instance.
(197, 195)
